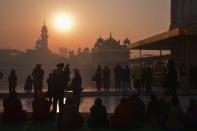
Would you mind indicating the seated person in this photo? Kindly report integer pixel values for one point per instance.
(13, 111)
(153, 110)
(122, 114)
(98, 115)
(41, 107)
(175, 115)
(191, 113)
(69, 117)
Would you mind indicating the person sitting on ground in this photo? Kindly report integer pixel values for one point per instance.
(41, 107)
(175, 115)
(13, 111)
(122, 114)
(164, 103)
(191, 114)
(98, 115)
(69, 117)
(153, 110)
(138, 111)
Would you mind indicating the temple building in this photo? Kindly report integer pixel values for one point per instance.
(110, 51)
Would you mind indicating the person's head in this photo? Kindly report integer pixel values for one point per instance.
(38, 66)
(13, 94)
(60, 65)
(13, 71)
(67, 66)
(99, 67)
(98, 101)
(29, 76)
(171, 64)
(76, 71)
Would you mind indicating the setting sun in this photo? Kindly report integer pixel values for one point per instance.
(63, 22)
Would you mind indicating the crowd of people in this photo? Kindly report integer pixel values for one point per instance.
(131, 112)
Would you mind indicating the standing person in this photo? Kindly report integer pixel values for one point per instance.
(106, 78)
(76, 85)
(148, 81)
(127, 77)
(58, 79)
(28, 83)
(117, 75)
(137, 79)
(98, 78)
(38, 76)
(12, 81)
(171, 82)
(67, 74)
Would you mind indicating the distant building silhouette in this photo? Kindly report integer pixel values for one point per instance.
(110, 51)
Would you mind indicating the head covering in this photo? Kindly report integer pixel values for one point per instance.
(76, 71)
(60, 65)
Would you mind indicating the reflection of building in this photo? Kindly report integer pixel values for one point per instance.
(110, 51)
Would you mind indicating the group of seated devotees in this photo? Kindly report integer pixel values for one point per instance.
(130, 113)
(13, 109)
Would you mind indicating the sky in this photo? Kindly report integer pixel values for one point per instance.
(21, 21)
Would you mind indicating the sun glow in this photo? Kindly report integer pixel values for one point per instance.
(63, 22)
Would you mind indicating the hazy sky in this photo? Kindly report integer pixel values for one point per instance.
(21, 21)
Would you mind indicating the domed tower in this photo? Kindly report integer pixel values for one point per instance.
(42, 42)
(127, 41)
(99, 42)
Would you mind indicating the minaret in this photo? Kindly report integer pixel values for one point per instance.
(44, 36)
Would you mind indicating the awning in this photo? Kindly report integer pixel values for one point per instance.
(161, 41)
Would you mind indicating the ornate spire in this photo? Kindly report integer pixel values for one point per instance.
(110, 36)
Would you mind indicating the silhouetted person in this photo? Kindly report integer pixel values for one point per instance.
(98, 78)
(118, 76)
(143, 79)
(12, 81)
(122, 115)
(175, 115)
(191, 114)
(59, 86)
(76, 85)
(126, 74)
(138, 110)
(38, 76)
(171, 82)
(148, 81)
(67, 74)
(153, 110)
(50, 87)
(98, 115)
(13, 111)
(137, 78)
(70, 117)
(41, 107)
(1, 75)
(106, 78)
(28, 83)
